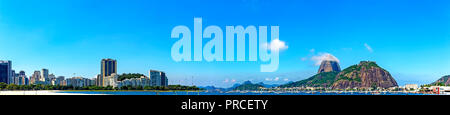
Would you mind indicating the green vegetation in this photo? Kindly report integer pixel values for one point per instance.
(353, 68)
(325, 79)
(357, 70)
(442, 81)
(349, 70)
(437, 84)
(369, 64)
(4, 86)
(129, 76)
(373, 86)
(349, 79)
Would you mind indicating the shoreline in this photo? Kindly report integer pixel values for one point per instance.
(82, 92)
(62, 92)
(40, 92)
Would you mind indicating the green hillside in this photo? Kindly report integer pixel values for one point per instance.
(325, 79)
(352, 73)
(248, 86)
(443, 81)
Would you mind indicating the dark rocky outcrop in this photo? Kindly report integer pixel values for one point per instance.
(329, 66)
(366, 74)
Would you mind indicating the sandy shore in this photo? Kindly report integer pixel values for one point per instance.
(40, 92)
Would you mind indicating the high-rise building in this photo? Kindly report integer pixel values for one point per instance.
(13, 79)
(22, 73)
(35, 78)
(16, 78)
(98, 80)
(59, 80)
(158, 78)
(51, 78)
(22, 78)
(44, 74)
(27, 81)
(5, 71)
(108, 67)
(44, 77)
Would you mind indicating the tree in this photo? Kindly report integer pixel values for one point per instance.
(129, 76)
(3, 85)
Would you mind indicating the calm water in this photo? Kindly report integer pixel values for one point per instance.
(232, 93)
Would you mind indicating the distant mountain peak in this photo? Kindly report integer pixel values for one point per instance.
(247, 82)
(329, 66)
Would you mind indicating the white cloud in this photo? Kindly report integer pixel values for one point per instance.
(368, 47)
(286, 79)
(276, 44)
(229, 81)
(312, 50)
(323, 57)
(276, 79)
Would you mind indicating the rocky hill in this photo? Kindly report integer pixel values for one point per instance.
(442, 81)
(329, 66)
(364, 75)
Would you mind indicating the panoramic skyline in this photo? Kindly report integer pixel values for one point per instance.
(409, 39)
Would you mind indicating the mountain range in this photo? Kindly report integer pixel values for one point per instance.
(247, 85)
(366, 74)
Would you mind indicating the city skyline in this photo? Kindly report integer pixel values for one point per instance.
(108, 77)
(409, 39)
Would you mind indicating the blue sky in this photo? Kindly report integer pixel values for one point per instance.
(409, 38)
